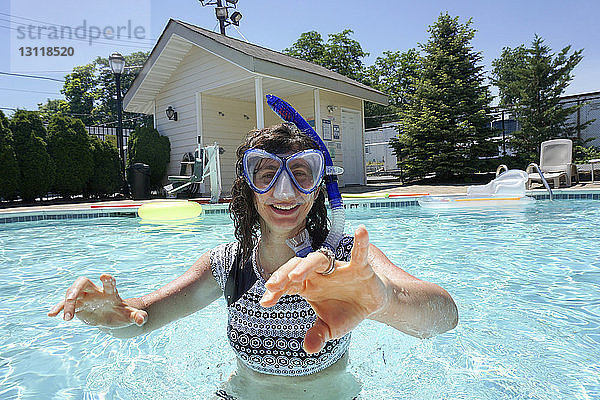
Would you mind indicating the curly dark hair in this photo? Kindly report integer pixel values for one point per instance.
(280, 138)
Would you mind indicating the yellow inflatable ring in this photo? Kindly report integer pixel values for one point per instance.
(170, 211)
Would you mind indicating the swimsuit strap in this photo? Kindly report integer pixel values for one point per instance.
(239, 280)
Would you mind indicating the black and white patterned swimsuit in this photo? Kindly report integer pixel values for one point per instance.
(269, 340)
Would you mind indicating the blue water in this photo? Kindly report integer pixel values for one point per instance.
(527, 284)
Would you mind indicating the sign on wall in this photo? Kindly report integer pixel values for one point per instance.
(326, 129)
(336, 131)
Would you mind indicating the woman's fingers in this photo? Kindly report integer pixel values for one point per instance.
(360, 249)
(280, 279)
(314, 262)
(108, 284)
(316, 337)
(56, 309)
(138, 317)
(82, 284)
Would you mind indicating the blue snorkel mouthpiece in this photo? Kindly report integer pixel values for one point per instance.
(289, 114)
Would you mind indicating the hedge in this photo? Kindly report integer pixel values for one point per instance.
(146, 145)
(9, 169)
(106, 174)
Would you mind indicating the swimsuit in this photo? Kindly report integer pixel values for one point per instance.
(269, 340)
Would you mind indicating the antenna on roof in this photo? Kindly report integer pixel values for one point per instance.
(222, 12)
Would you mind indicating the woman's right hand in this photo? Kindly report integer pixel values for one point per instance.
(98, 307)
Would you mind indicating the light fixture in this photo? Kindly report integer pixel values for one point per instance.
(221, 12)
(221, 114)
(330, 108)
(234, 2)
(235, 18)
(246, 116)
(117, 63)
(171, 114)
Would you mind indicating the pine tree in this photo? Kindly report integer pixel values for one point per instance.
(9, 169)
(36, 168)
(531, 81)
(446, 127)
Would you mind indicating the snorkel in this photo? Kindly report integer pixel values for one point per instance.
(301, 244)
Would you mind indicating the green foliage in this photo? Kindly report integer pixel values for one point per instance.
(69, 147)
(340, 54)
(90, 93)
(531, 81)
(394, 74)
(9, 169)
(445, 126)
(106, 173)
(583, 154)
(146, 145)
(36, 168)
(52, 108)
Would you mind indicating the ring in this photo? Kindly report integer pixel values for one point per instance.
(327, 252)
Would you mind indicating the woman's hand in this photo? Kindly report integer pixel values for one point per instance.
(341, 300)
(95, 306)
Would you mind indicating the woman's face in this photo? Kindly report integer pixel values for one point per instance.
(283, 209)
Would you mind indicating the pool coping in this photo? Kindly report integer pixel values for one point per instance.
(123, 209)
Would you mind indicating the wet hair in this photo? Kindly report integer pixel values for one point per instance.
(276, 139)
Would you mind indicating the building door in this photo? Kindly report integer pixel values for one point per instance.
(352, 147)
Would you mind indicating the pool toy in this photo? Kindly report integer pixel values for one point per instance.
(507, 190)
(165, 211)
(288, 114)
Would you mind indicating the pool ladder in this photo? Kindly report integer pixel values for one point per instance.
(503, 168)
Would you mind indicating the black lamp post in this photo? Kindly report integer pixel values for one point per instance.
(117, 65)
(222, 12)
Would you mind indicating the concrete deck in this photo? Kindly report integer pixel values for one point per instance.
(371, 188)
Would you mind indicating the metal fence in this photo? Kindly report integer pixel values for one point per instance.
(108, 134)
(505, 123)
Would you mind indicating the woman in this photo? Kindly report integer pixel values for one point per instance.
(288, 316)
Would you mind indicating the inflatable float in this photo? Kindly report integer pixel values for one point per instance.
(170, 211)
(507, 190)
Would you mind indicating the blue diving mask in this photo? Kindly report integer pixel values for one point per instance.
(304, 168)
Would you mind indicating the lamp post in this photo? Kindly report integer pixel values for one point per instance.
(117, 65)
(222, 13)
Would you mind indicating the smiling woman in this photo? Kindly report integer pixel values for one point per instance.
(289, 317)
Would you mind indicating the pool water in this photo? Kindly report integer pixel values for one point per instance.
(527, 284)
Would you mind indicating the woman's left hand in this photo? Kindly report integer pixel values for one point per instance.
(341, 300)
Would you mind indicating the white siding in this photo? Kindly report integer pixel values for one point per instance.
(198, 71)
(228, 130)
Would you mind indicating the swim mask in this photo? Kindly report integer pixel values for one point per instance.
(305, 169)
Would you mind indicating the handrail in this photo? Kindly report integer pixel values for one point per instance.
(499, 169)
(539, 171)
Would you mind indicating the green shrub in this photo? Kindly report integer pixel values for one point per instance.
(106, 174)
(146, 145)
(584, 154)
(69, 147)
(9, 169)
(36, 168)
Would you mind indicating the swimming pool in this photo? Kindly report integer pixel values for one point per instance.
(527, 284)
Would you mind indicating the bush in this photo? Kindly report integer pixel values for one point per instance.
(9, 169)
(106, 173)
(69, 147)
(147, 146)
(584, 154)
(36, 168)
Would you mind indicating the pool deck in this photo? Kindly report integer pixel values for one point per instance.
(370, 189)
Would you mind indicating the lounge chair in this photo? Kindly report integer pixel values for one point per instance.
(555, 163)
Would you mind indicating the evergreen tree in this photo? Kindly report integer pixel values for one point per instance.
(36, 168)
(106, 173)
(69, 147)
(531, 81)
(146, 145)
(394, 74)
(9, 170)
(446, 127)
